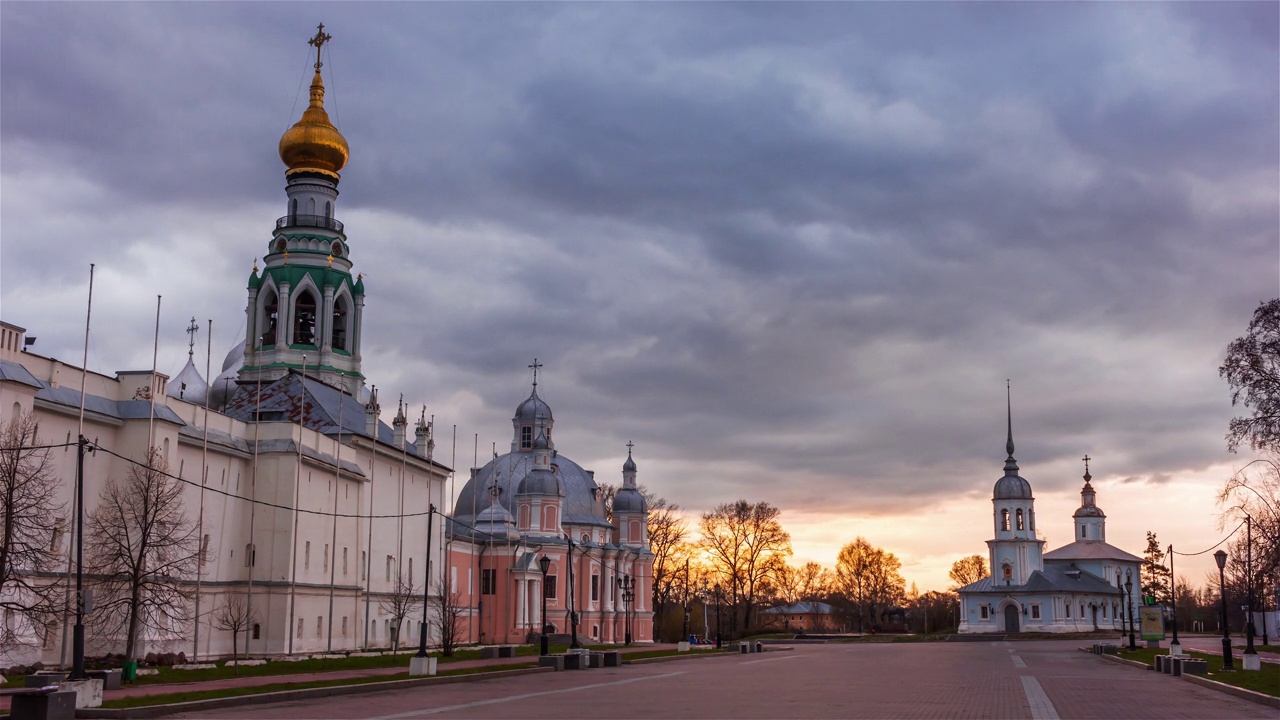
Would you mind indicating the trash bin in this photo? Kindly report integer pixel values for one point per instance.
(130, 672)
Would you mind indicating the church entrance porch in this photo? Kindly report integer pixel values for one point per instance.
(1011, 618)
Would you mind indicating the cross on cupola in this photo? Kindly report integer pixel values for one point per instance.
(319, 40)
(192, 329)
(534, 366)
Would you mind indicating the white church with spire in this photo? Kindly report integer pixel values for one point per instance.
(1079, 587)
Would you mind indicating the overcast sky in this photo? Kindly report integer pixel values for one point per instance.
(792, 251)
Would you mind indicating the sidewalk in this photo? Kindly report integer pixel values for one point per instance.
(257, 681)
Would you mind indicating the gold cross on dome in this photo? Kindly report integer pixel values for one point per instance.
(320, 39)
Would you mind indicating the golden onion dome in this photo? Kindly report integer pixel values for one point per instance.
(313, 144)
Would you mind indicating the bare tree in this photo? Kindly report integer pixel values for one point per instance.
(667, 532)
(448, 617)
(968, 569)
(31, 522)
(143, 547)
(402, 598)
(744, 544)
(869, 578)
(234, 616)
(1252, 369)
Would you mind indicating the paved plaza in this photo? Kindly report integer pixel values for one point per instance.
(1033, 679)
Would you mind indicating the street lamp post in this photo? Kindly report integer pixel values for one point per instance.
(1220, 557)
(1120, 589)
(1128, 593)
(426, 587)
(628, 585)
(544, 564)
(1175, 647)
(573, 614)
(1251, 659)
(717, 616)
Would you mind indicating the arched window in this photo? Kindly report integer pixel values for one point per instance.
(524, 516)
(340, 324)
(304, 319)
(293, 211)
(1004, 519)
(526, 437)
(270, 315)
(1020, 523)
(1007, 571)
(328, 209)
(549, 518)
(311, 206)
(1083, 533)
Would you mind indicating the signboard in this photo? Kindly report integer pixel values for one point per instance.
(1151, 623)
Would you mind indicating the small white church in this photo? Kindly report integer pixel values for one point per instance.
(1079, 587)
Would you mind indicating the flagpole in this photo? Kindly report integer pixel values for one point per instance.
(204, 480)
(151, 420)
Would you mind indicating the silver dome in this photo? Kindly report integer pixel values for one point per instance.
(534, 411)
(539, 482)
(629, 500)
(1012, 487)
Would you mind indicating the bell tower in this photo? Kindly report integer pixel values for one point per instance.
(305, 309)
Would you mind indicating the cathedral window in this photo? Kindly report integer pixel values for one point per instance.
(1021, 524)
(1004, 519)
(270, 315)
(304, 319)
(488, 582)
(1035, 612)
(595, 588)
(293, 211)
(339, 324)
(524, 517)
(549, 587)
(1068, 608)
(1083, 533)
(526, 437)
(328, 209)
(1007, 571)
(984, 612)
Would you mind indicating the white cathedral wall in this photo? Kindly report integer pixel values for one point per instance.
(226, 519)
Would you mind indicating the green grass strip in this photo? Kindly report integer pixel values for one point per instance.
(1265, 681)
(181, 697)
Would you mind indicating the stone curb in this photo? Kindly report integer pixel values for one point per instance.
(1242, 693)
(695, 654)
(152, 711)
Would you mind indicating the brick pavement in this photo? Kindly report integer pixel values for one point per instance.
(919, 680)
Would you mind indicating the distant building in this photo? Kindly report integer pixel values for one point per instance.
(803, 617)
(531, 502)
(1076, 588)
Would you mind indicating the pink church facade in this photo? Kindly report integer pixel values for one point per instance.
(533, 502)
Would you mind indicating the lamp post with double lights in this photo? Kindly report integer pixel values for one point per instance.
(1128, 594)
(544, 564)
(1220, 557)
(717, 589)
(1121, 613)
(628, 586)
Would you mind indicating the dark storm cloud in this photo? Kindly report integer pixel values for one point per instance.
(762, 240)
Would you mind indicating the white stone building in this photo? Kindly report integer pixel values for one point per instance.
(305, 503)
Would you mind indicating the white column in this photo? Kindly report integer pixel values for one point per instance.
(536, 586)
(522, 588)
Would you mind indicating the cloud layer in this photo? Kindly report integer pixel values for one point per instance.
(793, 251)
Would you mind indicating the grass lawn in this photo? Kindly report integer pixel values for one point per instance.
(1266, 680)
(168, 698)
(226, 670)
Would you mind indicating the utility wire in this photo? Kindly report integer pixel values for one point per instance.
(1228, 537)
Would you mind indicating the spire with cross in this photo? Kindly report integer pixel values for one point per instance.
(192, 329)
